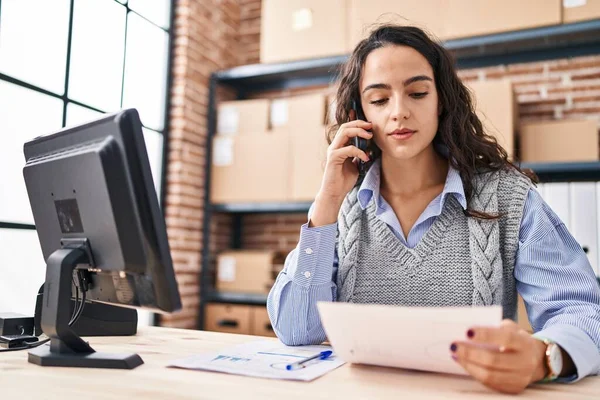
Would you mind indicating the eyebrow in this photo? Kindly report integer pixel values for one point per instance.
(405, 83)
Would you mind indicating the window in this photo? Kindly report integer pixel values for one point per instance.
(63, 63)
(145, 70)
(33, 45)
(157, 11)
(96, 73)
(17, 125)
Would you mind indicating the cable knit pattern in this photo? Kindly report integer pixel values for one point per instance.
(460, 261)
(484, 241)
(349, 228)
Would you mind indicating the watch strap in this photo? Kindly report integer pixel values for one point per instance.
(550, 376)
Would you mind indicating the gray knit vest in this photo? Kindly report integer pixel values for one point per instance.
(460, 261)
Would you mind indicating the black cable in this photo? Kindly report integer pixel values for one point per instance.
(77, 311)
(27, 346)
(83, 285)
(41, 342)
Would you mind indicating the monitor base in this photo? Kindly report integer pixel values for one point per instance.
(66, 348)
(44, 357)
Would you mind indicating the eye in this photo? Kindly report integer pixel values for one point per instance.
(378, 102)
(419, 95)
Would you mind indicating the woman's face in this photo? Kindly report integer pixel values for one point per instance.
(399, 97)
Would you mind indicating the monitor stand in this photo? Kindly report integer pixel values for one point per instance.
(66, 348)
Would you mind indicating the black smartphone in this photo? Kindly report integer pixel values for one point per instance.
(359, 142)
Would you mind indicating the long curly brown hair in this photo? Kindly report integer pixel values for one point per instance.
(470, 149)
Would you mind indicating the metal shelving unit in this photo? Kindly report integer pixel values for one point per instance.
(236, 298)
(248, 208)
(566, 172)
(547, 43)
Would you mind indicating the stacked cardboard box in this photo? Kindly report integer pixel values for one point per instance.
(247, 271)
(364, 15)
(247, 157)
(496, 107)
(302, 119)
(580, 10)
(559, 141)
(241, 319)
(301, 29)
(252, 163)
(467, 18)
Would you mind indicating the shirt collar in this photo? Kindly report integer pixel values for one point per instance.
(369, 189)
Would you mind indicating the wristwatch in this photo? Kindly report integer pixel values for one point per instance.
(553, 360)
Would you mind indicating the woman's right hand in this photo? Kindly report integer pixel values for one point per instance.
(341, 171)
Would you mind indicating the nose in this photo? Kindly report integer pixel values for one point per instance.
(400, 110)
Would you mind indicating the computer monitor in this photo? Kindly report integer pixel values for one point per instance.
(101, 231)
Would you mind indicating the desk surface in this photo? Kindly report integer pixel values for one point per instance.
(159, 346)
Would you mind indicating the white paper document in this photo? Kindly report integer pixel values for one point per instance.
(264, 359)
(404, 337)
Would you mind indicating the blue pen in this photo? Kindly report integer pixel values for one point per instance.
(321, 356)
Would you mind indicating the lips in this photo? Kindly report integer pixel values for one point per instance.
(402, 134)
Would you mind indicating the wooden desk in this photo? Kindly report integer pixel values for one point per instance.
(159, 346)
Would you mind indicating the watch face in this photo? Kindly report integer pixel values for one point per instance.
(555, 359)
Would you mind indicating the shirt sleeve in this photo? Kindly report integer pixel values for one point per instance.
(308, 277)
(558, 286)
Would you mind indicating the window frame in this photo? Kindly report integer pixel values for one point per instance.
(64, 97)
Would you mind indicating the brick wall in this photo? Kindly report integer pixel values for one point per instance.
(217, 34)
(249, 39)
(272, 231)
(558, 89)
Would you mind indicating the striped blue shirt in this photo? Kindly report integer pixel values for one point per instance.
(553, 274)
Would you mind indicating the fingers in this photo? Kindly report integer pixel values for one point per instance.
(506, 337)
(502, 358)
(341, 155)
(503, 381)
(350, 130)
(483, 356)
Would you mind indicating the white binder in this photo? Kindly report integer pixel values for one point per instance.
(584, 218)
(556, 196)
(541, 189)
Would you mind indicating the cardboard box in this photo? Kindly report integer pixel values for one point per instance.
(298, 111)
(261, 324)
(448, 19)
(228, 318)
(301, 29)
(246, 271)
(467, 18)
(559, 141)
(364, 14)
(496, 107)
(303, 119)
(238, 116)
(308, 156)
(252, 167)
(580, 10)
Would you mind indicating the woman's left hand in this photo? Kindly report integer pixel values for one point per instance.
(505, 358)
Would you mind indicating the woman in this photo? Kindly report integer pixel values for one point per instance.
(441, 218)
